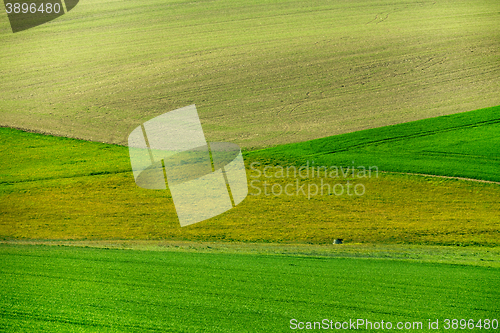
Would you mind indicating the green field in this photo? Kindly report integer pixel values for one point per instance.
(103, 290)
(380, 91)
(60, 188)
(261, 73)
(462, 145)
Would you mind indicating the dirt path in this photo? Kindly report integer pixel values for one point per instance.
(470, 255)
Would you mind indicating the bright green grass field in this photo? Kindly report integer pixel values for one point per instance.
(59, 188)
(461, 145)
(56, 289)
(261, 72)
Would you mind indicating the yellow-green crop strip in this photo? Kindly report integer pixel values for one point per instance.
(59, 188)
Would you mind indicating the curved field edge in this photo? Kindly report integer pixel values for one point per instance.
(461, 145)
(261, 73)
(46, 288)
(60, 188)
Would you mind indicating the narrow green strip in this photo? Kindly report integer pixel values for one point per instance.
(228, 187)
(211, 158)
(147, 143)
(64, 6)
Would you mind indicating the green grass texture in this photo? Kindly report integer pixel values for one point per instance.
(54, 289)
(60, 188)
(460, 145)
(261, 73)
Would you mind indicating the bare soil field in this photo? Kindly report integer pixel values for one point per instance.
(261, 73)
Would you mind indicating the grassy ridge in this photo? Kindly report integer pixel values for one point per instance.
(462, 145)
(261, 73)
(57, 188)
(63, 289)
(465, 255)
(28, 157)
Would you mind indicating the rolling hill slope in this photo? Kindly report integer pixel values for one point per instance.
(60, 188)
(461, 145)
(262, 73)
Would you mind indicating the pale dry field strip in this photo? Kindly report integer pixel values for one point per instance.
(261, 73)
(469, 255)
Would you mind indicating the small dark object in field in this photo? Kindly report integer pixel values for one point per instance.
(337, 241)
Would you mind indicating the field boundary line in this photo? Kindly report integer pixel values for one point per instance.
(469, 255)
(439, 176)
(97, 173)
(410, 136)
